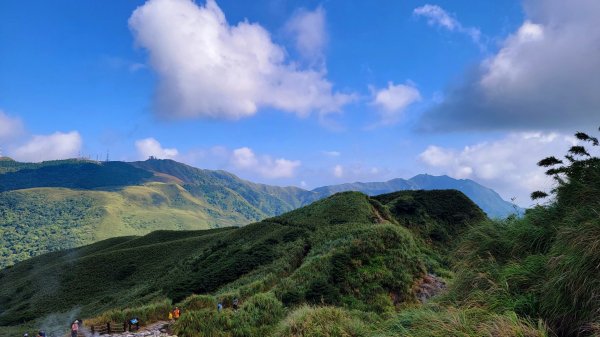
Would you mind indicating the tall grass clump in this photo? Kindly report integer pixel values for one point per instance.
(547, 264)
(149, 313)
(309, 321)
(436, 321)
(197, 302)
(256, 317)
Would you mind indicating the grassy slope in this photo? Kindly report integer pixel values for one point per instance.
(63, 204)
(347, 250)
(343, 267)
(40, 220)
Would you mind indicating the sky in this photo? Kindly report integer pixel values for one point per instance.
(304, 93)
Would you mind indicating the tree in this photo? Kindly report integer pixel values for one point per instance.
(579, 159)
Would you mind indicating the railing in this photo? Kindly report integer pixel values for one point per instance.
(110, 327)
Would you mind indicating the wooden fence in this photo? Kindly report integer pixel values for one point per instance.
(110, 327)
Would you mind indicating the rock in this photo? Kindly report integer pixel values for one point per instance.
(429, 286)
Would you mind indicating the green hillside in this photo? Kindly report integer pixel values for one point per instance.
(62, 204)
(346, 250)
(348, 265)
(56, 205)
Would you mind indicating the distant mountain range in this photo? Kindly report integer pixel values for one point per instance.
(486, 198)
(63, 204)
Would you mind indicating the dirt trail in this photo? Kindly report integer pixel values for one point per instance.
(380, 219)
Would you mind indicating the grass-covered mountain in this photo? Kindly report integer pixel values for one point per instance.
(63, 204)
(349, 250)
(347, 265)
(486, 198)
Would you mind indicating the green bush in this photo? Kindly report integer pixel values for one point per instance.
(434, 321)
(149, 313)
(256, 317)
(321, 322)
(197, 302)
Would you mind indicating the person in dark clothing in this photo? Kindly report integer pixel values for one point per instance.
(134, 322)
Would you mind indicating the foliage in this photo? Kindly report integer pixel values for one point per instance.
(256, 317)
(436, 321)
(547, 264)
(54, 205)
(308, 321)
(316, 254)
(146, 313)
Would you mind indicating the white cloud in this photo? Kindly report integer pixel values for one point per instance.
(151, 147)
(338, 171)
(393, 100)
(58, 145)
(10, 127)
(545, 75)
(332, 153)
(245, 159)
(436, 15)
(308, 30)
(507, 165)
(209, 68)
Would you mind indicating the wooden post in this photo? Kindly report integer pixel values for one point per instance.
(108, 327)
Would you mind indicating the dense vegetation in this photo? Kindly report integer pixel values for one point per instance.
(56, 205)
(347, 251)
(67, 203)
(348, 265)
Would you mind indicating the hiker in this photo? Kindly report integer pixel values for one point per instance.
(26, 335)
(41, 333)
(235, 304)
(219, 307)
(74, 328)
(176, 313)
(134, 321)
(170, 315)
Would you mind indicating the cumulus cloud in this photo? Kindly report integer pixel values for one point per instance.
(437, 16)
(393, 100)
(507, 165)
(151, 147)
(545, 75)
(209, 68)
(245, 159)
(58, 145)
(308, 30)
(10, 127)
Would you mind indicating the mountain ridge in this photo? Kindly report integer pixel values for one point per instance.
(287, 253)
(489, 200)
(134, 198)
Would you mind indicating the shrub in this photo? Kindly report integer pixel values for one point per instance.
(146, 314)
(321, 322)
(197, 302)
(434, 321)
(255, 318)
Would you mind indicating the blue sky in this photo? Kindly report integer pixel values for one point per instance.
(303, 93)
